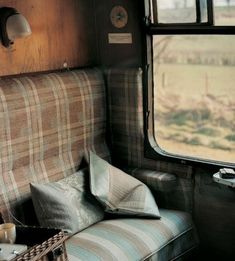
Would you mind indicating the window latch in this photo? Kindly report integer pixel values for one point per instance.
(147, 20)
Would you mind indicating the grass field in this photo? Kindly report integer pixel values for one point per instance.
(195, 96)
(197, 80)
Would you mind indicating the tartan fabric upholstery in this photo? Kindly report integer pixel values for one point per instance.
(156, 180)
(165, 187)
(49, 122)
(135, 239)
(127, 135)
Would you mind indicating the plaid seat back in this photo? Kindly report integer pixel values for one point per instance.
(48, 124)
(127, 134)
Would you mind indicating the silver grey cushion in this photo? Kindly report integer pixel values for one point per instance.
(66, 204)
(119, 192)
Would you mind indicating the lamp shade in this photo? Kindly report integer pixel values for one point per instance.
(17, 26)
(12, 25)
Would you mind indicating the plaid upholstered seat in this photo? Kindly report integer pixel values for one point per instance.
(127, 135)
(135, 239)
(48, 124)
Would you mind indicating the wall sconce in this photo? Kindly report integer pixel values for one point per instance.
(13, 25)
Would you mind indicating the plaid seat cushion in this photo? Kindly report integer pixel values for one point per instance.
(164, 186)
(156, 180)
(135, 239)
(127, 134)
(48, 123)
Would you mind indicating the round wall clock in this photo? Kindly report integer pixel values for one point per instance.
(118, 16)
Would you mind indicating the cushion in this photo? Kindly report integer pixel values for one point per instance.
(119, 192)
(135, 239)
(66, 204)
(48, 121)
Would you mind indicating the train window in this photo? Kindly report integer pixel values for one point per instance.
(224, 12)
(221, 12)
(192, 99)
(180, 11)
(176, 11)
(194, 95)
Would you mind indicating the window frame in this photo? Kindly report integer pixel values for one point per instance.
(210, 14)
(151, 148)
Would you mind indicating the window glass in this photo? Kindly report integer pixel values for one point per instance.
(176, 11)
(194, 95)
(203, 9)
(224, 12)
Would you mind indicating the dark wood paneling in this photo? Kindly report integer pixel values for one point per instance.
(214, 217)
(61, 31)
(119, 54)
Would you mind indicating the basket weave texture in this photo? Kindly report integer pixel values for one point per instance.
(39, 248)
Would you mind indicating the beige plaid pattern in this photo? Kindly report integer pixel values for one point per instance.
(127, 134)
(48, 123)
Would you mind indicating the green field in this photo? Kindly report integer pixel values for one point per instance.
(197, 80)
(195, 96)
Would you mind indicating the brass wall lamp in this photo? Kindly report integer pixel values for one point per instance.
(13, 25)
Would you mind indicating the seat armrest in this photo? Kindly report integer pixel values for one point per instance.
(155, 180)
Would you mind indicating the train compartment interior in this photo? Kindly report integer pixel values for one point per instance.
(144, 85)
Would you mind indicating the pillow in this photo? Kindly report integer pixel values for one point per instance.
(66, 204)
(119, 192)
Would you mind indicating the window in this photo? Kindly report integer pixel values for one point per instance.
(193, 94)
(224, 12)
(176, 11)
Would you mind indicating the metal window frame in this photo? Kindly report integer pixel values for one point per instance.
(152, 150)
(210, 14)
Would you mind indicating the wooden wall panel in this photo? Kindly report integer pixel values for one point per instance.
(62, 30)
(119, 54)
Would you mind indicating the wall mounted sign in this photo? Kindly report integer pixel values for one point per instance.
(120, 38)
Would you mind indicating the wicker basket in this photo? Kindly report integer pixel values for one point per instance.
(44, 244)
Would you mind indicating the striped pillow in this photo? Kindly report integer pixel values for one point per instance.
(119, 192)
